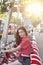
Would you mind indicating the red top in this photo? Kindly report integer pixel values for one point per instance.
(25, 46)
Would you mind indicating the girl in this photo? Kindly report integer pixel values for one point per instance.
(24, 47)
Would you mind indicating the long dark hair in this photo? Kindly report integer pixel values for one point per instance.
(18, 38)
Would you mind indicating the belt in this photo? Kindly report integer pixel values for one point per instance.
(23, 55)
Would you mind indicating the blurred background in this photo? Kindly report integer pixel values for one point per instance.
(27, 13)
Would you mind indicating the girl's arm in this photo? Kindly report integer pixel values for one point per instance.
(11, 50)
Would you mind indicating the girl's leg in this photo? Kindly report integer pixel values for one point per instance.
(15, 63)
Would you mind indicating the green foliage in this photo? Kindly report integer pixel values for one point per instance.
(2, 16)
(42, 30)
(5, 0)
(11, 4)
(35, 23)
(3, 6)
(12, 19)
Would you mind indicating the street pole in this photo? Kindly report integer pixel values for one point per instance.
(5, 28)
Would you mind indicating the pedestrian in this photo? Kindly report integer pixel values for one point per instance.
(23, 46)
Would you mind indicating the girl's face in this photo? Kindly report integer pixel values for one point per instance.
(22, 33)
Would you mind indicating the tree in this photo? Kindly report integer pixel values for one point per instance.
(4, 6)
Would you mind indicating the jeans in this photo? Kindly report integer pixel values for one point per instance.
(25, 60)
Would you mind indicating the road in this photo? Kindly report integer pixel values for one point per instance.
(39, 39)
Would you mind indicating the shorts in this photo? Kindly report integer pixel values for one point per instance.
(25, 60)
